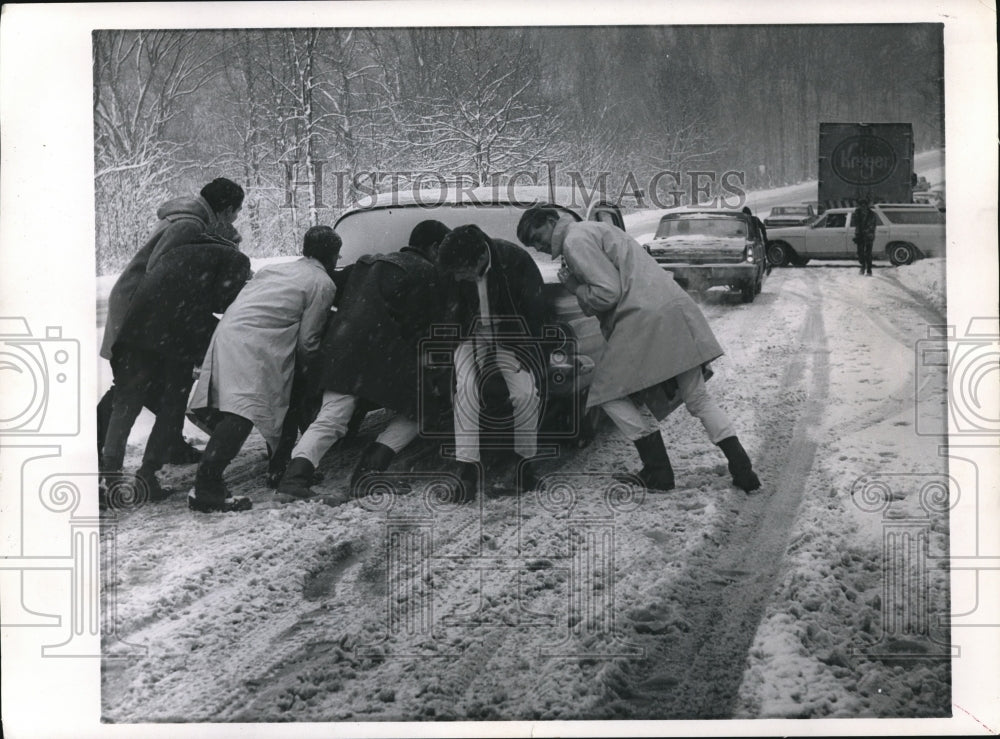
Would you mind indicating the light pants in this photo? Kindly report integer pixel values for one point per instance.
(331, 425)
(635, 421)
(468, 403)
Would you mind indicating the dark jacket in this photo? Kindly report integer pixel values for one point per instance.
(371, 347)
(182, 220)
(865, 223)
(171, 311)
(514, 287)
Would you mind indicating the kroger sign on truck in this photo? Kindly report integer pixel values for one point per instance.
(865, 160)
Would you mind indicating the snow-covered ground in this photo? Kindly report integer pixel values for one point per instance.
(586, 601)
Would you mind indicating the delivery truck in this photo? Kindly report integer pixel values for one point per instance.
(872, 161)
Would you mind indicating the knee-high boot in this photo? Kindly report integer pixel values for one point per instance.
(656, 472)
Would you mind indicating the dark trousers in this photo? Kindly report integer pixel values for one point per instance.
(138, 375)
(152, 403)
(231, 432)
(228, 437)
(865, 254)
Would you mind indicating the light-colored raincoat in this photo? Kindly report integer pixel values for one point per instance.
(653, 328)
(250, 363)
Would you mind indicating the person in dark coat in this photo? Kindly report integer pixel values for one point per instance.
(370, 353)
(500, 309)
(182, 220)
(658, 339)
(865, 222)
(762, 230)
(163, 337)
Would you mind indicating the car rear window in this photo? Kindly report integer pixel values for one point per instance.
(722, 227)
(912, 216)
(383, 230)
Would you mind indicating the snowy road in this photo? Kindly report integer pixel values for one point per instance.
(584, 601)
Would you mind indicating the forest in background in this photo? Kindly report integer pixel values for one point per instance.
(270, 108)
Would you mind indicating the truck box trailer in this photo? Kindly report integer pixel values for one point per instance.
(865, 160)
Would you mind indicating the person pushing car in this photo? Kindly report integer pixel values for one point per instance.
(658, 339)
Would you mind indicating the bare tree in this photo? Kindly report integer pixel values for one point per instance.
(474, 105)
(144, 82)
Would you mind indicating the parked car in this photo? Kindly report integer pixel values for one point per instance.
(930, 197)
(708, 248)
(903, 233)
(382, 223)
(789, 215)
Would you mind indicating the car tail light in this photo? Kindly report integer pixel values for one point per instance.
(748, 252)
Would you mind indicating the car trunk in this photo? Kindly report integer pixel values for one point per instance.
(699, 249)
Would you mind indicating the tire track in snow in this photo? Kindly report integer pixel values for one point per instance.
(703, 671)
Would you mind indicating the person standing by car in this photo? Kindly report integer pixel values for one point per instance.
(182, 221)
(762, 230)
(370, 353)
(162, 338)
(865, 222)
(501, 311)
(658, 339)
(270, 331)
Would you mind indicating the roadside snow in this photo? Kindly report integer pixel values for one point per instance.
(925, 278)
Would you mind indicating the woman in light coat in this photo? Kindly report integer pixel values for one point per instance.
(657, 338)
(276, 322)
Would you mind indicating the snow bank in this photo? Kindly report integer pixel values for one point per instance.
(925, 278)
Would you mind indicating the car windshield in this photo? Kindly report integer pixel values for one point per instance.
(702, 228)
(793, 210)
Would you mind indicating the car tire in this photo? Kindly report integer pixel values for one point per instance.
(779, 253)
(748, 291)
(900, 253)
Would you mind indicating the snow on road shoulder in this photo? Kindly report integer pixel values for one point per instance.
(830, 645)
(926, 278)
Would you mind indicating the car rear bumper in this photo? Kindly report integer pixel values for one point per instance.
(704, 276)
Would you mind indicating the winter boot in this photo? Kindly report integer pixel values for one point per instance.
(210, 494)
(297, 479)
(656, 473)
(147, 477)
(739, 464)
(376, 458)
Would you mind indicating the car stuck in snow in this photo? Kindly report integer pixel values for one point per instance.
(573, 342)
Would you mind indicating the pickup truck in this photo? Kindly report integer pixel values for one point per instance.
(709, 248)
(903, 234)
